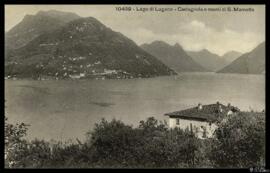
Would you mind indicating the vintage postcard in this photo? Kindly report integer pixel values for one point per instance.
(135, 86)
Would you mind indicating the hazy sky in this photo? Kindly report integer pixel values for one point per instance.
(218, 32)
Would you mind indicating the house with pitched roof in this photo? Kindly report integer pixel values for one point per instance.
(201, 120)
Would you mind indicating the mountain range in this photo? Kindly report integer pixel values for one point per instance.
(211, 61)
(80, 48)
(173, 56)
(252, 62)
(55, 44)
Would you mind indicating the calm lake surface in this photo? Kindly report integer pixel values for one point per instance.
(63, 110)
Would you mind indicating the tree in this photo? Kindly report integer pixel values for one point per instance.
(240, 142)
(15, 144)
(151, 144)
(113, 143)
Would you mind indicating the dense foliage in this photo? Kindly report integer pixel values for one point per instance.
(14, 143)
(239, 142)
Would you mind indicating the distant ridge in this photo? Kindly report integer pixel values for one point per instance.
(231, 56)
(173, 56)
(208, 60)
(252, 62)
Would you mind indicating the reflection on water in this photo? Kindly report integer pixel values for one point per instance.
(68, 109)
(102, 104)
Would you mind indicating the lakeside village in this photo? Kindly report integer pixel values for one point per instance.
(95, 74)
(75, 71)
(71, 68)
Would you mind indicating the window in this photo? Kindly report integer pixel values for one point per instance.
(177, 121)
(204, 133)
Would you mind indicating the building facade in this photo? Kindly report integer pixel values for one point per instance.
(201, 120)
(201, 129)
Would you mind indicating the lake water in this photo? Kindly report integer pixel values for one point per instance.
(67, 109)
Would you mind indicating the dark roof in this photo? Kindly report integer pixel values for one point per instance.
(208, 113)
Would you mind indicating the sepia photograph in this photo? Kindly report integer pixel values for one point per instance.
(134, 86)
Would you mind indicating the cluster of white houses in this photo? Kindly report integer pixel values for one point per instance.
(202, 120)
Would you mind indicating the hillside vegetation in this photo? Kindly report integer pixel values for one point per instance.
(240, 142)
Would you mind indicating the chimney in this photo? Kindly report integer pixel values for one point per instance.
(199, 106)
(220, 108)
(229, 105)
